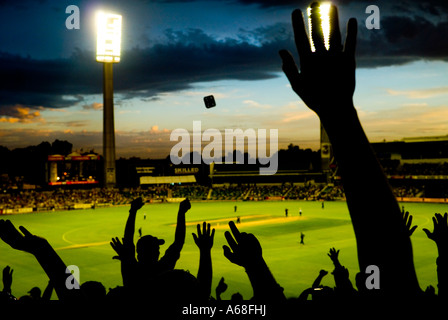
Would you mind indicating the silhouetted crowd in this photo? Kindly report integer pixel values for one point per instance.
(382, 229)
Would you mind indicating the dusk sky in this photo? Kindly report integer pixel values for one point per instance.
(176, 52)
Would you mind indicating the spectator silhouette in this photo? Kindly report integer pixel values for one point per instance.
(440, 236)
(317, 291)
(93, 292)
(137, 271)
(344, 288)
(326, 84)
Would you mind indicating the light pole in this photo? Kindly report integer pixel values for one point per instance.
(108, 52)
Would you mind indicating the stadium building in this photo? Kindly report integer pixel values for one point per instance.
(418, 166)
(74, 169)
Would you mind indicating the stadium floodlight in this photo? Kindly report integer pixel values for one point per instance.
(108, 50)
(324, 11)
(108, 47)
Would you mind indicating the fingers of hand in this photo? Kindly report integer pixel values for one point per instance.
(236, 233)
(300, 35)
(350, 40)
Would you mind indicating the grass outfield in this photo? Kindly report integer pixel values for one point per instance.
(82, 238)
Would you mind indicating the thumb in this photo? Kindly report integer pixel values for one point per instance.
(289, 67)
(428, 233)
(228, 253)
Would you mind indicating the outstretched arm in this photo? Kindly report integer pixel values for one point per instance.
(46, 296)
(340, 273)
(126, 254)
(179, 236)
(126, 250)
(326, 83)
(315, 286)
(47, 257)
(204, 241)
(440, 237)
(129, 230)
(322, 274)
(245, 251)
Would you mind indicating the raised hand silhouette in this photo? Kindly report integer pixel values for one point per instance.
(334, 256)
(440, 236)
(204, 238)
(325, 77)
(326, 83)
(407, 219)
(244, 249)
(204, 241)
(137, 204)
(47, 257)
(7, 279)
(24, 241)
(440, 232)
(124, 250)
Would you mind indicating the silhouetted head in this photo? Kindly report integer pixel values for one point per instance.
(93, 291)
(237, 297)
(175, 286)
(322, 293)
(148, 249)
(35, 293)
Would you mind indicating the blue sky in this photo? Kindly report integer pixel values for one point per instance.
(177, 52)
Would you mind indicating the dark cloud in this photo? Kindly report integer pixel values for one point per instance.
(48, 83)
(430, 6)
(184, 58)
(401, 40)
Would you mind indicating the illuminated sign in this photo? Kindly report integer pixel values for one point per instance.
(186, 170)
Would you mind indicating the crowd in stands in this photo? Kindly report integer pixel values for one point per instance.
(66, 199)
(407, 192)
(395, 168)
(195, 192)
(382, 229)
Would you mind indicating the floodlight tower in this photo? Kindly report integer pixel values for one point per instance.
(108, 52)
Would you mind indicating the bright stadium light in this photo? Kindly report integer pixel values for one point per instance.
(108, 46)
(324, 11)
